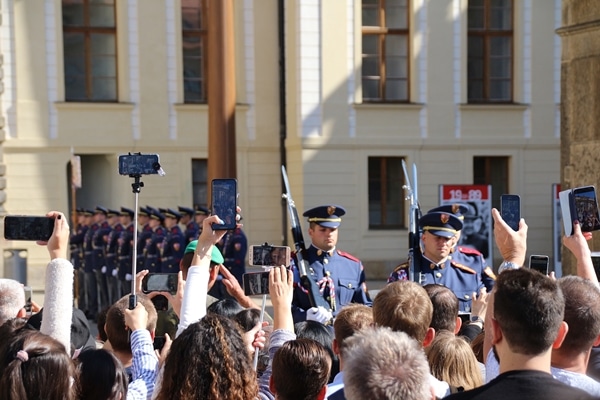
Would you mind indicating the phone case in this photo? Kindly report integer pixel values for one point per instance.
(224, 202)
(565, 198)
(585, 208)
(510, 210)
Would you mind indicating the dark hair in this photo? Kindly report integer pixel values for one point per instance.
(247, 318)
(300, 370)
(445, 307)
(100, 324)
(209, 360)
(323, 335)
(529, 308)
(226, 307)
(115, 328)
(100, 376)
(42, 371)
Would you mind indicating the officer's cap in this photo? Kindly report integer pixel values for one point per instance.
(113, 213)
(144, 212)
(440, 224)
(329, 216)
(155, 214)
(215, 256)
(185, 210)
(127, 212)
(202, 210)
(101, 210)
(458, 209)
(88, 213)
(170, 213)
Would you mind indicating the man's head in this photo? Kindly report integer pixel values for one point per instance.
(323, 225)
(201, 214)
(143, 216)
(115, 327)
(528, 310)
(100, 214)
(405, 306)
(445, 308)
(216, 260)
(126, 216)
(382, 364)
(351, 319)
(156, 218)
(12, 300)
(439, 234)
(186, 214)
(113, 217)
(459, 210)
(300, 370)
(171, 218)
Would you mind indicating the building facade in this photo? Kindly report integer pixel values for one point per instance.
(469, 91)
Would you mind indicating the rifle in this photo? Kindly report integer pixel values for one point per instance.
(314, 297)
(414, 234)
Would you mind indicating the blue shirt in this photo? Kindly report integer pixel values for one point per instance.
(144, 366)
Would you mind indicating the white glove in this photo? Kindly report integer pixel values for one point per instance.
(103, 269)
(128, 277)
(319, 314)
(115, 272)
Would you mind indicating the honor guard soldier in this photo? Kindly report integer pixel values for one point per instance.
(191, 227)
(199, 216)
(125, 249)
(99, 253)
(339, 275)
(234, 247)
(76, 242)
(91, 289)
(173, 244)
(153, 244)
(435, 264)
(112, 247)
(144, 234)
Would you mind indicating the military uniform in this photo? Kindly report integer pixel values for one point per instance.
(234, 247)
(99, 241)
(173, 245)
(154, 244)
(77, 259)
(334, 272)
(111, 256)
(125, 252)
(191, 228)
(143, 236)
(91, 289)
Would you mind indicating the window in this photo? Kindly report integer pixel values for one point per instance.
(385, 50)
(386, 196)
(90, 50)
(199, 184)
(490, 51)
(193, 25)
(492, 171)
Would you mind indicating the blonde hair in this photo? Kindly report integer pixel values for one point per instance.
(452, 360)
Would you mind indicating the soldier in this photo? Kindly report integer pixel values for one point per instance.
(91, 288)
(154, 243)
(125, 250)
(112, 246)
(200, 215)
(77, 259)
(234, 247)
(144, 234)
(436, 265)
(191, 227)
(339, 275)
(99, 241)
(173, 244)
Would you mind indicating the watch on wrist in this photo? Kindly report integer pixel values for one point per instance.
(507, 265)
(476, 318)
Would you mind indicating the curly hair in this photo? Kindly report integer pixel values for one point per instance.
(209, 360)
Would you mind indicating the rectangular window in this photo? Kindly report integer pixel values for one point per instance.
(194, 30)
(490, 51)
(90, 50)
(492, 171)
(385, 50)
(199, 184)
(386, 196)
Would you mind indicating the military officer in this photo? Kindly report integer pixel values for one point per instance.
(187, 220)
(91, 289)
(99, 253)
(199, 216)
(339, 275)
(234, 247)
(436, 265)
(125, 249)
(112, 246)
(154, 243)
(76, 242)
(144, 234)
(173, 244)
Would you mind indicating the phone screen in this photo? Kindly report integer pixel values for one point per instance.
(539, 263)
(510, 205)
(256, 283)
(20, 227)
(224, 202)
(586, 208)
(139, 164)
(270, 255)
(155, 282)
(28, 294)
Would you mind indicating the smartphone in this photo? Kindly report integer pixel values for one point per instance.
(224, 202)
(465, 317)
(28, 294)
(139, 164)
(269, 255)
(586, 208)
(256, 283)
(567, 210)
(510, 210)
(159, 342)
(22, 227)
(157, 282)
(539, 263)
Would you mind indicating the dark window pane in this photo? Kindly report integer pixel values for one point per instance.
(500, 46)
(500, 68)
(72, 14)
(199, 178)
(370, 44)
(102, 43)
(102, 15)
(396, 14)
(396, 45)
(475, 68)
(104, 89)
(475, 46)
(500, 90)
(386, 197)
(396, 89)
(500, 19)
(476, 17)
(475, 90)
(104, 66)
(371, 89)
(370, 15)
(396, 67)
(75, 87)
(370, 66)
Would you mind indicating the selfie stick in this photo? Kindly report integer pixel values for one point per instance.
(262, 317)
(136, 186)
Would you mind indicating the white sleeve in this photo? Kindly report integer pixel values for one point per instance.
(58, 304)
(193, 307)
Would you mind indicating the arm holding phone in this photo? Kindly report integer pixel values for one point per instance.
(577, 243)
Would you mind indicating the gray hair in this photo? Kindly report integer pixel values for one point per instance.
(383, 364)
(12, 299)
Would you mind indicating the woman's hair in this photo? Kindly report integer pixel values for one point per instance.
(320, 333)
(209, 360)
(477, 346)
(35, 366)
(452, 360)
(100, 376)
(247, 318)
(226, 307)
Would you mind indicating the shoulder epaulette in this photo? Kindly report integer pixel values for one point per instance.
(463, 267)
(348, 256)
(403, 266)
(488, 271)
(469, 250)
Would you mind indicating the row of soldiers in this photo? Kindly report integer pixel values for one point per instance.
(102, 249)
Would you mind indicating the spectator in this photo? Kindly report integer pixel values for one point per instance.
(317, 331)
(380, 364)
(12, 300)
(226, 307)
(100, 376)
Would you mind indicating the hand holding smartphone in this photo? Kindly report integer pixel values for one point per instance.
(256, 283)
(539, 263)
(580, 204)
(157, 282)
(24, 227)
(510, 210)
(267, 255)
(224, 202)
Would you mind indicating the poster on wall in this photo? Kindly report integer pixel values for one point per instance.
(477, 226)
(557, 230)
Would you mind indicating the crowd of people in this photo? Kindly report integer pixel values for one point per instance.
(526, 335)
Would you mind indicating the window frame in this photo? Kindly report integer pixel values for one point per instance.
(202, 35)
(383, 180)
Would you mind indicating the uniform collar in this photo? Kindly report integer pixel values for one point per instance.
(321, 252)
(441, 264)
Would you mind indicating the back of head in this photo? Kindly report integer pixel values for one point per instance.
(209, 360)
(100, 376)
(35, 366)
(382, 364)
(582, 314)
(12, 299)
(529, 309)
(445, 307)
(115, 328)
(248, 318)
(323, 335)
(404, 306)
(451, 360)
(226, 307)
(351, 319)
(300, 370)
